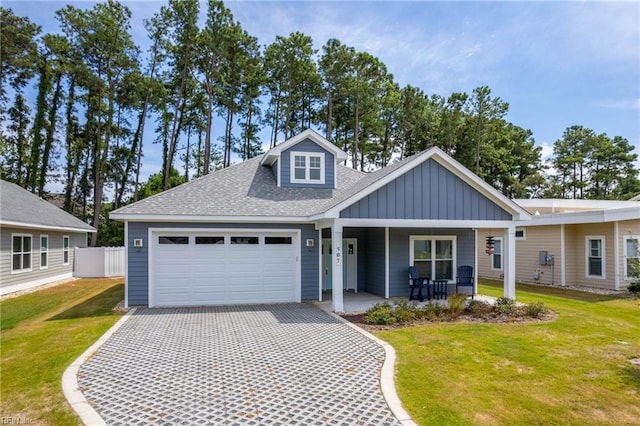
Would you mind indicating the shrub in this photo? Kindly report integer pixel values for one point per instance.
(478, 308)
(405, 312)
(535, 309)
(456, 305)
(634, 288)
(432, 311)
(505, 306)
(379, 314)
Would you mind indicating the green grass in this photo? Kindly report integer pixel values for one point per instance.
(571, 371)
(42, 333)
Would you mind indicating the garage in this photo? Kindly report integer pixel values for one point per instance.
(206, 267)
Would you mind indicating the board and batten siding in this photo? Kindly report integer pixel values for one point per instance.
(399, 247)
(307, 146)
(55, 267)
(428, 191)
(138, 277)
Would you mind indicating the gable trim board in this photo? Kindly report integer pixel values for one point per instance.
(39, 227)
(274, 153)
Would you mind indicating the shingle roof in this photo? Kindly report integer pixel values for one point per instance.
(20, 207)
(245, 189)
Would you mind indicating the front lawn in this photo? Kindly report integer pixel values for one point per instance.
(578, 369)
(42, 333)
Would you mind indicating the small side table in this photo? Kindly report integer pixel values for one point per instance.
(439, 289)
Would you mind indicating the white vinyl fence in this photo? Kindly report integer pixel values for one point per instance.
(99, 262)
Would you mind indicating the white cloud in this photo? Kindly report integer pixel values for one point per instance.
(621, 104)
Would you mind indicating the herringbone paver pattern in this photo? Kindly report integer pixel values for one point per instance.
(253, 365)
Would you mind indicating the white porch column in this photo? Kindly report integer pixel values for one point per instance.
(386, 262)
(563, 258)
(337, 304)
(509, 253)
(475, 262)
(616, 255)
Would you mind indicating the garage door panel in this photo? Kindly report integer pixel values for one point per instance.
(215, 272)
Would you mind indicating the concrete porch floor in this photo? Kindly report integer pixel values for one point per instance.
(358, 303)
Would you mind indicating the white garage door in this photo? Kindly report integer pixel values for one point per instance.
(208, 268)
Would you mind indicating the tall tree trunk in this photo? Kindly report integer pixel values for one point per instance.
(71, 141)
(207, 137)
(38, 126)
(51, 130)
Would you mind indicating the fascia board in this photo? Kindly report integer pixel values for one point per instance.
(9, 223)
(201, 219)
(594, 216)
(274, 153)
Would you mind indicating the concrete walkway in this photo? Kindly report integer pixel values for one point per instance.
(256, 365)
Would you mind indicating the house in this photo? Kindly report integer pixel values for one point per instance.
(36, 240)
(294, 223)
(572, 242)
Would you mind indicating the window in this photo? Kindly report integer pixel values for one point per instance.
(209, 240)
(496, 257)
(631, 254)
(521, 234)
(244, 240)
(20, 253)
(65, 250)
(307, 167)
(173, 240)
(434, 256)
(277, 240)
(595, 257)
(44, 251)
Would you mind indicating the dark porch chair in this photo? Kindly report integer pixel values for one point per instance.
(416, 284)
(465, 278)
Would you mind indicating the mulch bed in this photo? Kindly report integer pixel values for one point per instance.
(358, 319)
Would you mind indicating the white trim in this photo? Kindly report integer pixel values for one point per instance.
(594, 216)
(355, 253)
(587, 253)
(450, 164)
(337, 297)
(14, 224)
(274, 153)
(625, 238)
(44, 252)
(501, 268)
(563, 257)
(35, 283)
(475, 262)
(320, 264)
(126, 264)
(424, 223)
(510, 266)
(434, 238)
(21, 253)
(68, 250)
(307, 167)
(206, 219)
(278, 177)
(296, 233)
(562, 203)
(386, 262)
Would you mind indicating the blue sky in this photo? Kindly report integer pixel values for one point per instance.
(556, 63)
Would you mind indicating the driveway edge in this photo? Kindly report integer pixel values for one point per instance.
(70, 386)
(387, 375)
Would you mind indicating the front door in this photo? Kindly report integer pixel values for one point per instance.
(349, 264)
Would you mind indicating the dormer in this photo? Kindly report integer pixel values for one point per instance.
(306, 160)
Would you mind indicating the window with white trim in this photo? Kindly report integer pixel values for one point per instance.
(20, 253)
(307, 167)
(496, 257)
(631, 254)
(44, 251)
(594, 256)
(434, 256)
(521, 234)
(65, 250)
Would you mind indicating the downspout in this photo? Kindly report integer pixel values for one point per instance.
(616, 256)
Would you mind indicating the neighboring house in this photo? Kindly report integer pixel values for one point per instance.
(572, 242)
(37, 240)
(293, 223)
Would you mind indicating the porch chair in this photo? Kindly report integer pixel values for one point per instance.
(416, 284)
(465, 278)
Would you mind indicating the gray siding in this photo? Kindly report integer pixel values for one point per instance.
(55, 266)
(307, 146)
(274, 170)
(138, 278)
(399, 249)
(428, 191)
(375, 261)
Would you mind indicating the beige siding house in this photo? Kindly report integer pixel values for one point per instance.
(570, 242)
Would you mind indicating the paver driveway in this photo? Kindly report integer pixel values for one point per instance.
(260, 365)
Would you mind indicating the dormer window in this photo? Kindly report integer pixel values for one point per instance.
(307, 167)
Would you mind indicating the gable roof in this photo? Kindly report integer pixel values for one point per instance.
(21, 208)
(248, 192)
(273, 154)
(376, 180)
